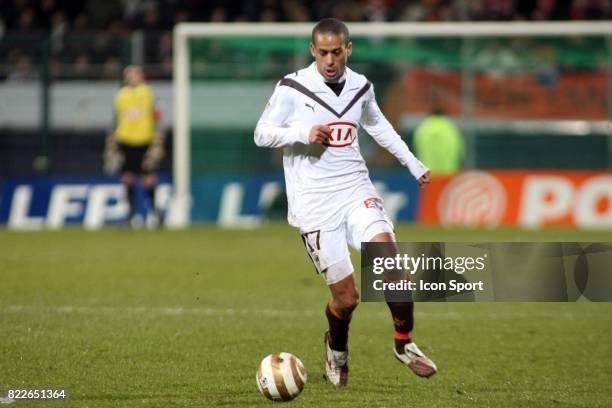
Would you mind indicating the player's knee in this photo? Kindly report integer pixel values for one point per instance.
(149, 181)
(127, 179)
(354, 300)
(348, 301)
(383, 237)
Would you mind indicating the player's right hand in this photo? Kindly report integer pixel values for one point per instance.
(318, 134)
(424, 179)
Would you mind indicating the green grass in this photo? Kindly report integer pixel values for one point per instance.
(158, 319)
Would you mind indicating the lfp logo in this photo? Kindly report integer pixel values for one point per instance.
(342, 134)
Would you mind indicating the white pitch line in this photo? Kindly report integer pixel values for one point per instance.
(219, 312)
(157, 311)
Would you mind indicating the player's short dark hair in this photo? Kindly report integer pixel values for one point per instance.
(333, 26)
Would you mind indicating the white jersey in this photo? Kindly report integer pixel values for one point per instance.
(323, 180)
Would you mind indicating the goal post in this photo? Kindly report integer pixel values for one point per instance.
(185, 33)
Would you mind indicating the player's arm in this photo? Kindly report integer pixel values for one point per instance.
(115, 114)
(112, 157)
(375, 123)
(275, 127)
(155, 152)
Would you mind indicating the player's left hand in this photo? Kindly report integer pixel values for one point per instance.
(112, 158)
(424, 179)
(154, 154)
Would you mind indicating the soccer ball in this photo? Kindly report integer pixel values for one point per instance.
(281, 376)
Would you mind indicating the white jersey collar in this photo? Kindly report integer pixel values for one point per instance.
(316, 75)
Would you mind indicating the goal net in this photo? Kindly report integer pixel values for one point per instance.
(489, 77)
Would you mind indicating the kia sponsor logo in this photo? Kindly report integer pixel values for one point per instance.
(342, 134)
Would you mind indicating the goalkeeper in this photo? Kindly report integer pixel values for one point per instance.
(135, 148)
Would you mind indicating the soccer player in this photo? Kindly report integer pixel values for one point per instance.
(313, 115)
(137, 139)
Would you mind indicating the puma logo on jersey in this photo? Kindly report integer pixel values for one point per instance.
(311, 107)
(342, 134)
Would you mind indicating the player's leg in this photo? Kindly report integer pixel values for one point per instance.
(368, 222)
(402, 311)
(149, 183)
(128, 179)
(129, 171)
(339, 312)
(152, 155)
(329, 253)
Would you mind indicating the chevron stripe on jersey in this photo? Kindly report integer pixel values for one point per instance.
(302, 89)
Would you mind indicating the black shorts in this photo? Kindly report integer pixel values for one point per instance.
(132, 158)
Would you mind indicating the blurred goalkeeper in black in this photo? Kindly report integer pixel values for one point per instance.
(135, 148)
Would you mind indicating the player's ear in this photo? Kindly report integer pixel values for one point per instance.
(313, 50)
(349, 49)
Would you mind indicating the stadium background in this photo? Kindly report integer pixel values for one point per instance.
(139, 317)
(523, 103)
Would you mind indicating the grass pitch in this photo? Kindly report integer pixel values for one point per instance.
(158, 319)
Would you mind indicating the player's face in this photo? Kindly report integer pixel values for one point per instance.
(134, 76)
(331, 52)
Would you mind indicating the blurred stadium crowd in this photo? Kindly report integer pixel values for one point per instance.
(92, 39)
(163, 14)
